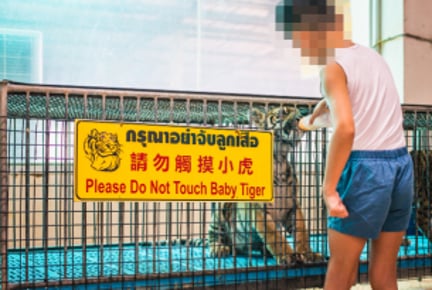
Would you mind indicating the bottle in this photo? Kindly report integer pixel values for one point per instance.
(322, 121)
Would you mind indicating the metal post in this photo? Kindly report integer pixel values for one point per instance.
(4, 212)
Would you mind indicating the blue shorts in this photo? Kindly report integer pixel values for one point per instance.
(377, 188)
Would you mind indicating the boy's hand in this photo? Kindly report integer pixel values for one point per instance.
(334, 204)
(320, 109)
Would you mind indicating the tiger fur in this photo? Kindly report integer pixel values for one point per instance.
(240, 228)
(422, 160)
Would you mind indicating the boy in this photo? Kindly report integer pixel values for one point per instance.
(368, 179)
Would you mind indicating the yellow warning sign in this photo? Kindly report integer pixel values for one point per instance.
(135, 161)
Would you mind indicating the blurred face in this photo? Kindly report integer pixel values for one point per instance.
(318, 45)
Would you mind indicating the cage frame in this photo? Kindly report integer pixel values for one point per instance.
(8, 87)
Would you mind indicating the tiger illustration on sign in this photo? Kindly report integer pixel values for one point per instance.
(103, 150)
(240, 228)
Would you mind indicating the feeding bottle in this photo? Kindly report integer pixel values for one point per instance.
(322, 121)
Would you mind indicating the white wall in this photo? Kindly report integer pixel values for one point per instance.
(386, 36)
(418, 51)
(360, 14)
(402, 33)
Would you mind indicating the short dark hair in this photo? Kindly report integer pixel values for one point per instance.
(305, 15)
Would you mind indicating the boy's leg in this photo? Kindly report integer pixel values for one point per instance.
(383, 267)
(345, 252)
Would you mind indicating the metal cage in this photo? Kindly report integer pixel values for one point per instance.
(50, 241)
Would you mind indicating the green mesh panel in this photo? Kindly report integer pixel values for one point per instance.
(160, 110)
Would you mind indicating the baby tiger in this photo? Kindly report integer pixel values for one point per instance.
(240, 228)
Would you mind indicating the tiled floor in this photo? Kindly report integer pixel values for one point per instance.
(425, 284)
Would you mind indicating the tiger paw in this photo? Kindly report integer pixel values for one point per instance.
(311, 257)
(219, 250)
(405, 242)
(287, 260)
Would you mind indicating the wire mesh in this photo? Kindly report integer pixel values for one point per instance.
(50, 240)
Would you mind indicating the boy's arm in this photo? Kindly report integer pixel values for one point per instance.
(341, 142)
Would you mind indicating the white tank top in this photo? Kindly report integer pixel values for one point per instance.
(375, 102)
